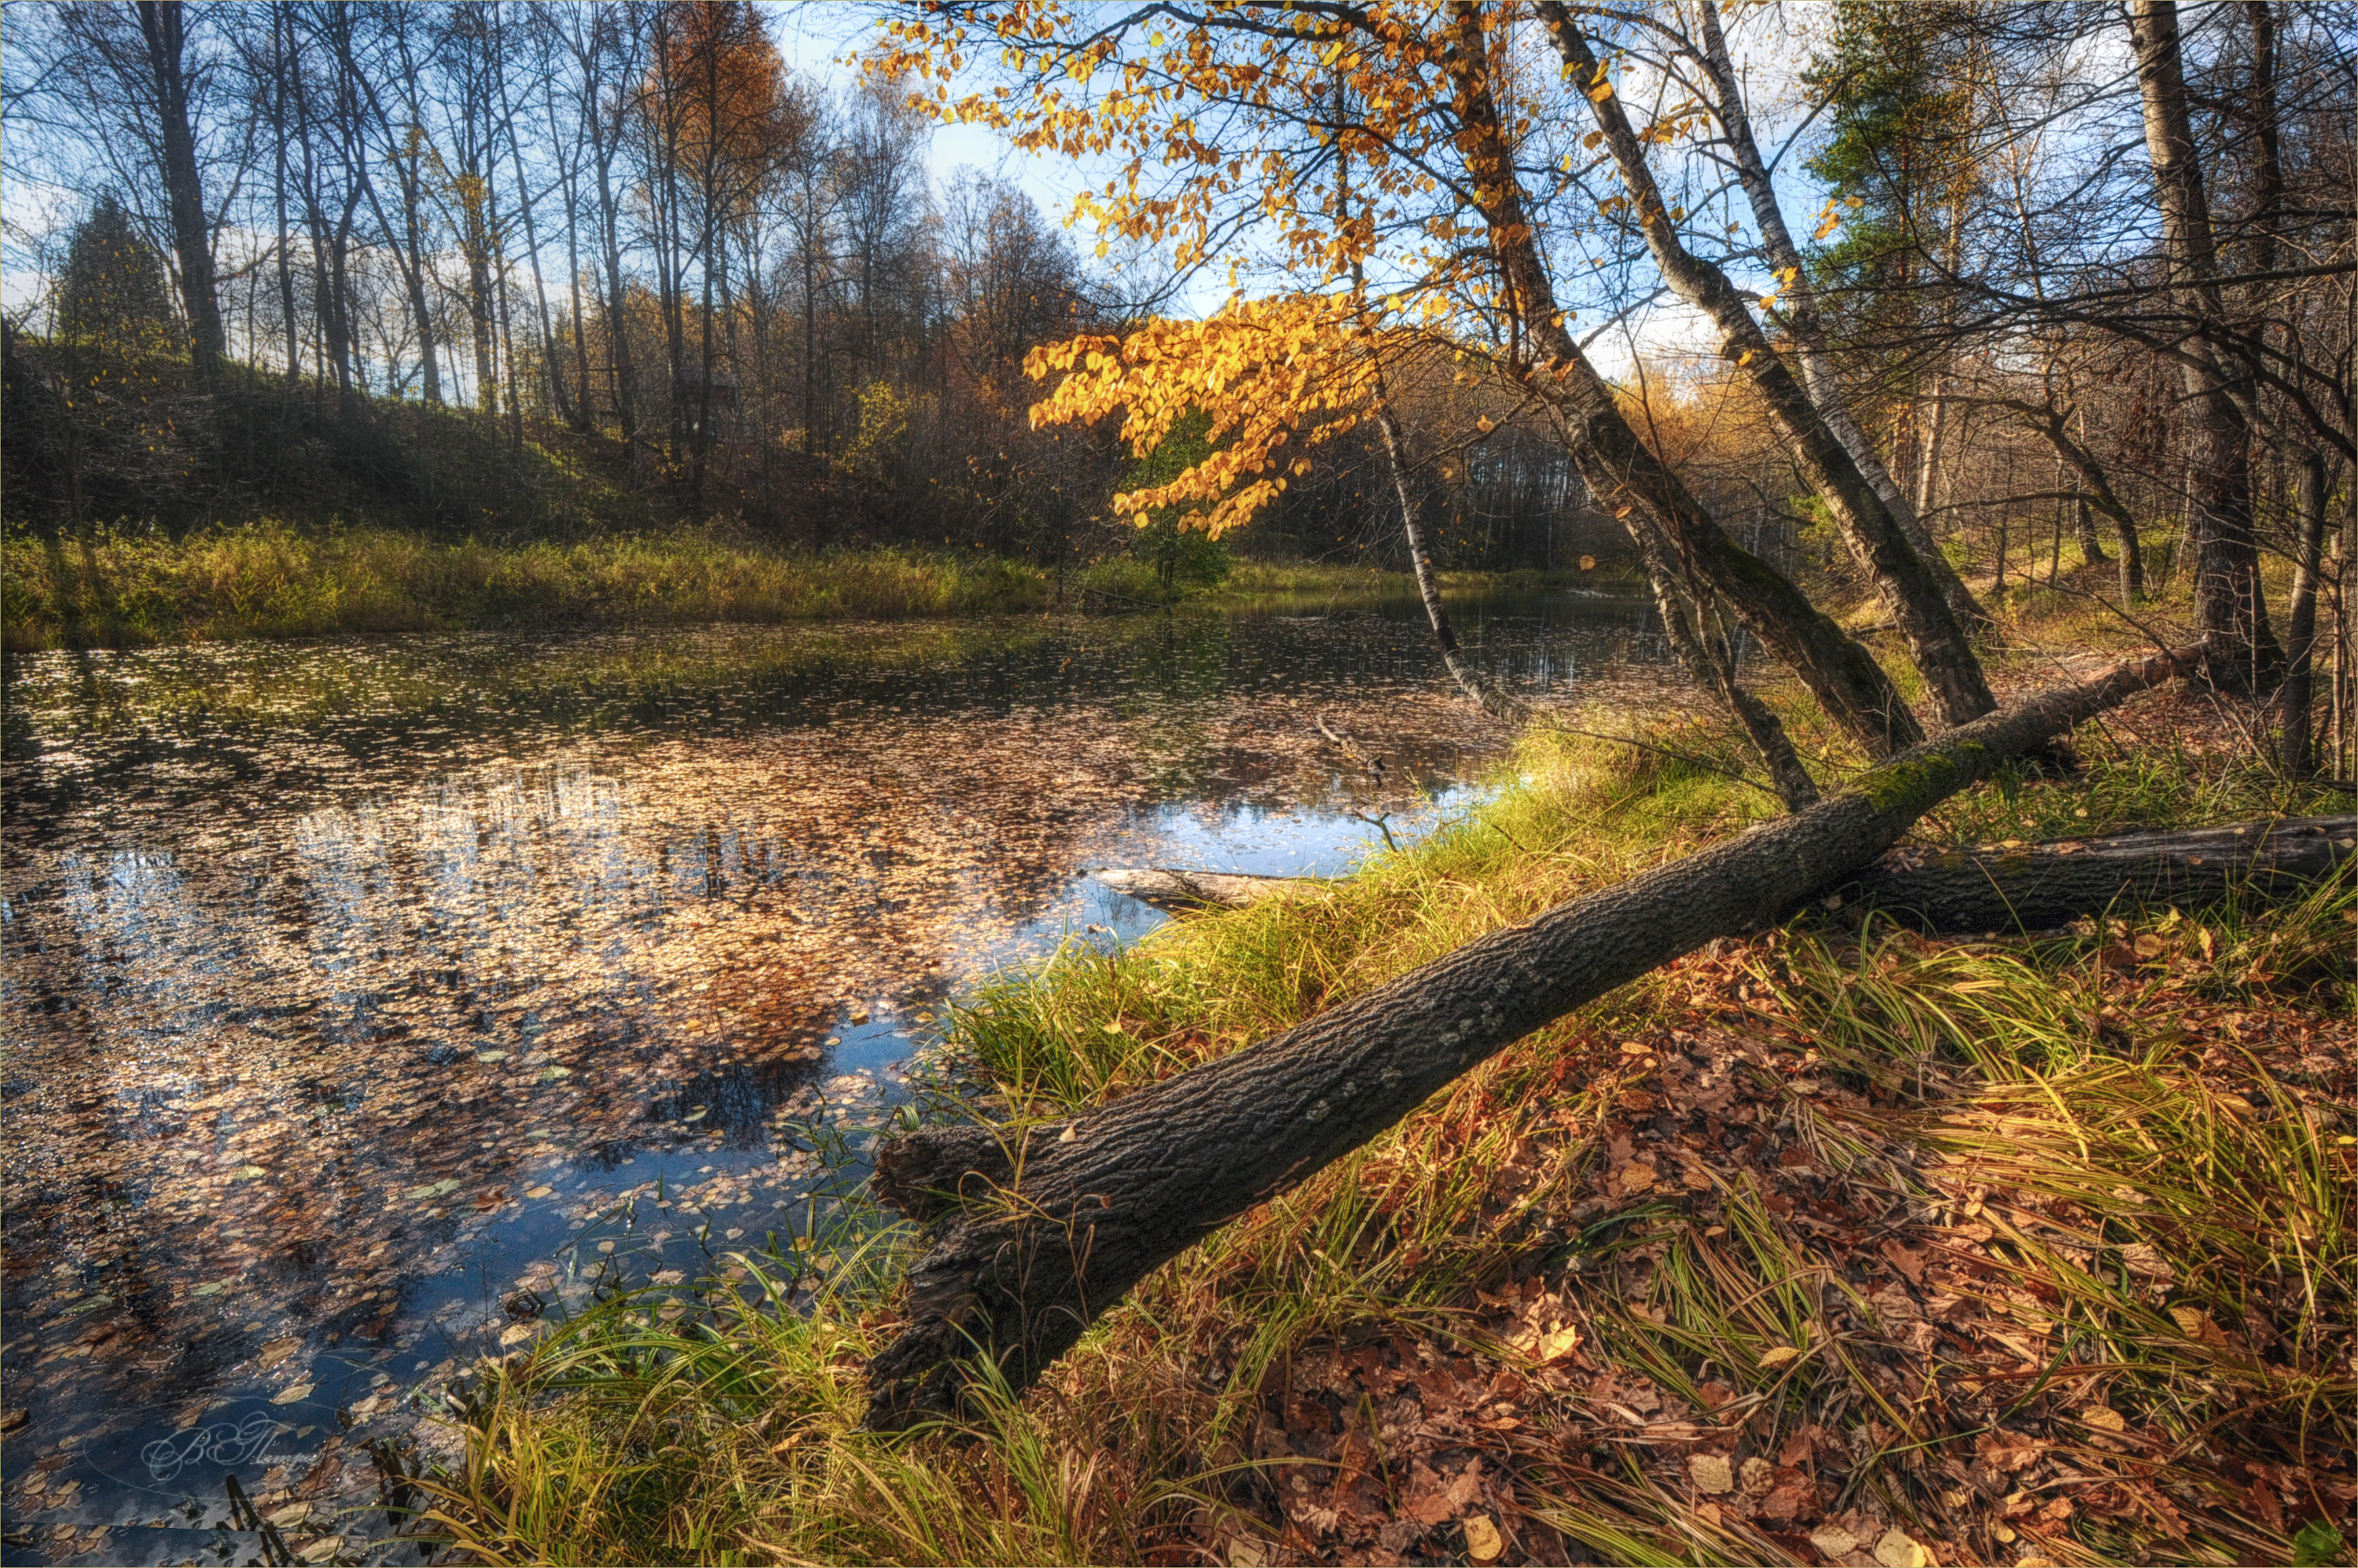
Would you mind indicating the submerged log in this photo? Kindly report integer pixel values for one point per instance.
(2034, 887)
(1167, 888)
(1044, 1228)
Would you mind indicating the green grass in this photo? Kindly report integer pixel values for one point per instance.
(2108, 1152)
(104, 588)
(267, 579)
(1280, 581)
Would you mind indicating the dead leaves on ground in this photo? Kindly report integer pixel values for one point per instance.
(1926, 1391)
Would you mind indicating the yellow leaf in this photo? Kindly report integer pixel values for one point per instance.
(1486, 424)
(1591, 139)
(1482, 1540)
(1712, 1473)
(1588, 563)
(1778, 1354)
(1897, 1550)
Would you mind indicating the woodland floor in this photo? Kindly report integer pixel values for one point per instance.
(1832, 1246)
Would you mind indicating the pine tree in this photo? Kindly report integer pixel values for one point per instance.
(114, 293)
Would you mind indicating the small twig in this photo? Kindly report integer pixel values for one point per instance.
(1344, 745)
(1509, 838)
(1379, 823)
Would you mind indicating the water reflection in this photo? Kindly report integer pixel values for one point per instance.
(346, 984)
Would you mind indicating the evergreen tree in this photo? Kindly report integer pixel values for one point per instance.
(1896, 153)
(115, 291)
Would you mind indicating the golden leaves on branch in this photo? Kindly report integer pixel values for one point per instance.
(1276, 377)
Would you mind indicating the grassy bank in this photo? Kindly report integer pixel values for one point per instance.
(267, 579)
(1315, 579)
(1834, 1246)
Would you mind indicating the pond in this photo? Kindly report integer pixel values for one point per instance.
(351, 989)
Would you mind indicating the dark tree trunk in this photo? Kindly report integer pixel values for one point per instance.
(2034, 887)
(2228, 604)
(163, 29)
(2300, 622)
(283, 64)
(1620, 469)
(2084, 527)
(1911, 594)
(1056, 1222)
(2039, 886)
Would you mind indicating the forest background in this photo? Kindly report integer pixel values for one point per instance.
(283, 278)
(497, 275)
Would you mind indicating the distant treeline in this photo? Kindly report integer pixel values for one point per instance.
(629, 243)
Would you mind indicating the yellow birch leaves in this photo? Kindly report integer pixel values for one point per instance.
(1276, 377)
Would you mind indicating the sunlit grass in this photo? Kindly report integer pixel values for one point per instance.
(266, 579)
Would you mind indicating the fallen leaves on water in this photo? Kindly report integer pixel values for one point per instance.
(274, 1033)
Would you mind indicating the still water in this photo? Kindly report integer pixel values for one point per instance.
(352, 990)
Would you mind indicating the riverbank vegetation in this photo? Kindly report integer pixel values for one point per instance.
(1836, 1241)
(105, 589)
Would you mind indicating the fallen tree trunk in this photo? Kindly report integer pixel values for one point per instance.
(1168, 889)
(2013, 887)
(1047, 1228)
(2033, 887)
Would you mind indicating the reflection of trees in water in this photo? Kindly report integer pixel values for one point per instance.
(293, 1014)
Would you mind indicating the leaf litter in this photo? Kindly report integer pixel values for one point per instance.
(1867, 1309)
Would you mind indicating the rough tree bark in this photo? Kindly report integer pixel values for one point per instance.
(1049, 1227)
(1618, 468)
(2229, 606)
(2084, 528)
(2294, 748)
(163, 29)
(2035, 887)
(1911, 595)
(2030, 887)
